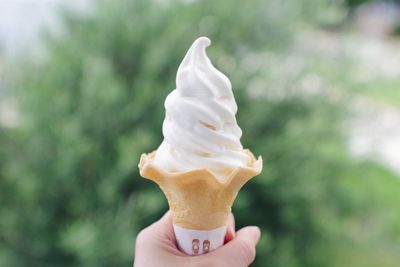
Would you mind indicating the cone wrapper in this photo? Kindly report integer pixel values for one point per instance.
(199, 201)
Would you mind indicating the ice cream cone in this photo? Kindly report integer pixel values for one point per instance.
(200, 165)
(198, 199)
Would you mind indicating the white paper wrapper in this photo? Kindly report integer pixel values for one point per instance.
(197, 242)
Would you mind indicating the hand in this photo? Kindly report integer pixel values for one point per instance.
(156, 247)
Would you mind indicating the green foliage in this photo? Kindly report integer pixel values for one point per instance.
(70, 192)
(355, 3)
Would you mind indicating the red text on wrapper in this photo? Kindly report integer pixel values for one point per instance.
(196, 246)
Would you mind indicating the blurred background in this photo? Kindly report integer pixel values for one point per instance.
(82, 86)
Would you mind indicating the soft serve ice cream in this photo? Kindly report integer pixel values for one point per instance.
(200, 128)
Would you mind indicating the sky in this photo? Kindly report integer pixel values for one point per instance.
(21, 20)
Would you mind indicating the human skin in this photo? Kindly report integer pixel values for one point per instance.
(156, 247)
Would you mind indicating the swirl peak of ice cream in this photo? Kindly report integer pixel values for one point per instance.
(200, 128)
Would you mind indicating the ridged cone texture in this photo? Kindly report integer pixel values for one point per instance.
(198, 199)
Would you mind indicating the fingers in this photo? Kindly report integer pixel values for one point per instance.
(164, 227)
(159, 238)
(230, 230)
(156, 244)
(166, 220)
(241, 251)
(161, 229)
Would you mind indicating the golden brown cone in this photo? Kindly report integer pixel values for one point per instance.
(197, 198)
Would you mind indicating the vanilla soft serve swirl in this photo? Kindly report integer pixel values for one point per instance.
(200, 128)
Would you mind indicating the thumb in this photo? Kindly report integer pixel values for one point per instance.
(241, 251)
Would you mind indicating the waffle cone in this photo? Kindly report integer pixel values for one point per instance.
(198, 199)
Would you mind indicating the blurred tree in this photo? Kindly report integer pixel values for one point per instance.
(355, 3)
(70, 190)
